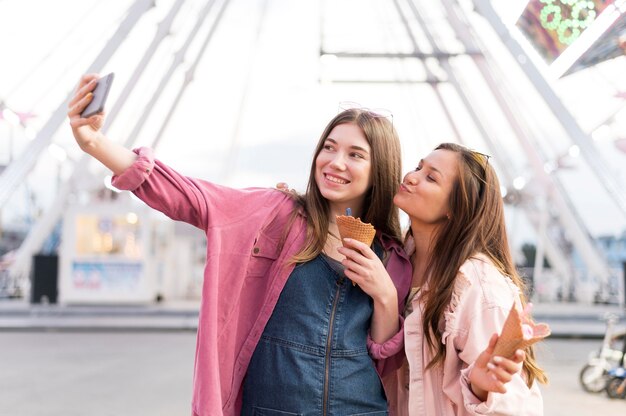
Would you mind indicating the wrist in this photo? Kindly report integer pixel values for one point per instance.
(387, 300)
(89, 145)
(478, 392)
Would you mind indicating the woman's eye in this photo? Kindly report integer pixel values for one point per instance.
(357, 155)
(430, 178)
(418, 168)
(327, 147)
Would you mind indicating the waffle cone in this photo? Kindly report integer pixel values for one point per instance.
(350, 227)
(512, 339)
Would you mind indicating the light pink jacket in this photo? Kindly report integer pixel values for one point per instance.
(481, 301)
(246, 269)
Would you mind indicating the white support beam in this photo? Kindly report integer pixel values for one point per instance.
(588, 150)
(19, 168)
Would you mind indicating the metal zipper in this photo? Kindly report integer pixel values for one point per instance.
(328, 342)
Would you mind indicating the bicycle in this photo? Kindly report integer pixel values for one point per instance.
(616, 384)
(594, 375)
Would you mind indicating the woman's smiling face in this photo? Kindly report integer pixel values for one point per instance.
(343, 168)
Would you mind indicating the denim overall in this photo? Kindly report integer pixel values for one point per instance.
(312, 357)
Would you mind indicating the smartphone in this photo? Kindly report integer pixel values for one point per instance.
(100, 94)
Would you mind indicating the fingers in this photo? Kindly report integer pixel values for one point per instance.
(492, 373)
(357, 261)
(360, 247)
(80, 105)
(519, 357)
(358, 265)
(354, 261)
(284, 187)
(497, 386)
(501, 368)
(86, 84)
(95, 120)
(492, 343)
(87, 78)
(483, 359)
(504, 369)
(512, 365)
(354, 270)
(82, 98)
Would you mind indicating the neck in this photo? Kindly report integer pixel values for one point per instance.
(333, 241)
(422, 237)
(339, 209)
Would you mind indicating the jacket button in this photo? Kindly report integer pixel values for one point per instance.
(256, 250)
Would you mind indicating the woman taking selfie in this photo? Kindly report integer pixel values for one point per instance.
(281, 328)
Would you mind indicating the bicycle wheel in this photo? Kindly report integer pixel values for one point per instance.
(593, 378)
(613, 387)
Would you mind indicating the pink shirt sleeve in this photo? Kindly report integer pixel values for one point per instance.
(194, 201)
(518, 399)
(134, 176)
(388, 348)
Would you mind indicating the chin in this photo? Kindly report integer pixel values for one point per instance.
(328, 195)
(400, 202)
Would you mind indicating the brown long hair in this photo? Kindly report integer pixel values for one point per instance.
(476, 225)
(386, 171)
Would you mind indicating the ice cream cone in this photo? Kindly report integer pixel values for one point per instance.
(512, 338)
(350, 227)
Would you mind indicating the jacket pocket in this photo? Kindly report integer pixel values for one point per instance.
(263, 255)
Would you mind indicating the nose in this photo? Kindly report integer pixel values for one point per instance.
(338, 162)
(411, 178)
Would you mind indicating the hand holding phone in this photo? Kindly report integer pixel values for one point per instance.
(100, 94)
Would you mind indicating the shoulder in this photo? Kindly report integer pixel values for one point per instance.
(248, 207)
(479, 286)
(265, 197)
(398, 264)
(480, 281)
(392, 245)
(395, 257)
(270, 203)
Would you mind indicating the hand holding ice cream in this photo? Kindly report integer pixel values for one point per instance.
(351, 227)
(504, 355)
(354, 228)
(519, 332)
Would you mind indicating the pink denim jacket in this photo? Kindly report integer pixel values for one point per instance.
(246, 269)
(481, 301)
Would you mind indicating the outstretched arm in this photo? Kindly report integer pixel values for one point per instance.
(88, 134)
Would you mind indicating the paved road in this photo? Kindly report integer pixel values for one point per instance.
(149, 373)
(96, 374)
(562, 359)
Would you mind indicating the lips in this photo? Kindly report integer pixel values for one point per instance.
(404, 188)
